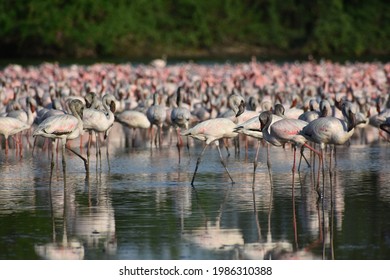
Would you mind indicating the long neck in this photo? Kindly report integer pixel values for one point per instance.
(109, 107)
(178, 98)
(351, 119)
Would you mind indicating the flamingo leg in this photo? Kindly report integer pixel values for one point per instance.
(98, 151)
(256, 157)
(63, 154)
(179, 142)
(320, 155)
(293, 200)
(223, 162)
(304, 157)
(108, 154)
(188, 145)
(35, 142)
(159, 131)
(52, 155)
(293, 167)
(198, 162)
(269, 164)
(133, 137)
(86, 164)
(89, 145)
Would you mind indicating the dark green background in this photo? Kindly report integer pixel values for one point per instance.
(193, 28)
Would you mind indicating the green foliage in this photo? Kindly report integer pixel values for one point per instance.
(90, 28)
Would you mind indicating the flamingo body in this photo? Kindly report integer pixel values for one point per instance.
(133, 119)
(212, 130)
(10, 126)
(328, 130)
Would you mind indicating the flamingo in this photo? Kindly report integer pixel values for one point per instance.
(156, 115)
(180, 118)
(210, 131)
(331, 130)
(236, 105)
(134, 120)
(25, 115)
(312, 114)
(43, 114)
(65, 127)
(9, 127)
(283, 131)
(159, 63)
(251, 128)
(99, 121)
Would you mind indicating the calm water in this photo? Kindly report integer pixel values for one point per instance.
(144, 206)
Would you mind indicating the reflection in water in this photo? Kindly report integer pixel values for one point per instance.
(212, 236)
(267, 249)
(64, 249)
(95, 224)
(91, 226)
(145, 208)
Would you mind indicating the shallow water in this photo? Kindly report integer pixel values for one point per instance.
(144, 207)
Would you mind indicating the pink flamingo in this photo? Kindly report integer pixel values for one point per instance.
(283, 131)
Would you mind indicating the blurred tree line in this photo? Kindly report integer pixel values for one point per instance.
(120, 28)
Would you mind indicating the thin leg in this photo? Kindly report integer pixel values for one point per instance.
(89, 145)
(293, 201)
(108, 154)
(63, 154)
(179, 142)
(133, 137)
(320, 155)
(226, 147)
(256, 157)
(35, 142)
(300, 159)
(223, 162)
(293, 167)
(160, 135)
(86, 165)
(6, 146)
(198, 162)
(188, 146)
(269, 164)
(52, 155)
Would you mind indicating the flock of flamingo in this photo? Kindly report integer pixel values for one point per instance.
(305, 104)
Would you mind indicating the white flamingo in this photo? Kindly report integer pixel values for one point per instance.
(156, 115)
(9, 127)
(180, 118)
(99, 121)
(134, 120)
(65, 127)
(210, 131)
(331, 130)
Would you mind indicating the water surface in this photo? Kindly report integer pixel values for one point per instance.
(142, 205)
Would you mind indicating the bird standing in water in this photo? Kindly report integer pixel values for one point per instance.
(210, 131)
(65, 127)
(180, 117)
(331, 131)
